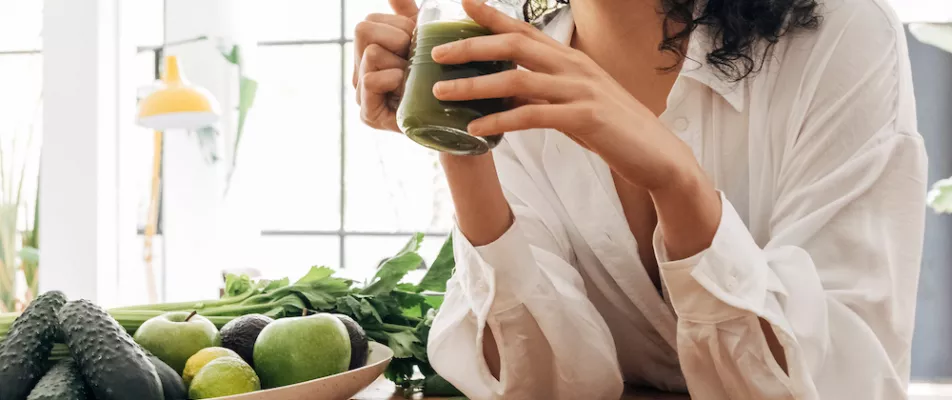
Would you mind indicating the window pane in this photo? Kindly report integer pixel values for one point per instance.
(293, 256)
(298, 19)
(393, 184)
(357, 10)
(363, 253)
(21, 23)
(22, 118)
(292, 141)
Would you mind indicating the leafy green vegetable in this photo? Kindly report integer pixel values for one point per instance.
(404, 344)
(441, 270)
(940, 197)
(398, 315)
(393, 269)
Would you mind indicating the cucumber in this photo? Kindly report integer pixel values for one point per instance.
(113, 365)
(24, 352)
(173, 388)
(62, 382)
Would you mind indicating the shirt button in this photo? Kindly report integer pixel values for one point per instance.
(681, 124)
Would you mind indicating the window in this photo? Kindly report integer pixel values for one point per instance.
(21, 95)
(334, 191)
(326, 189)
(21, 119)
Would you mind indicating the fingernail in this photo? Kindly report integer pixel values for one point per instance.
(441, 50)
(438, 88)
(473, 129)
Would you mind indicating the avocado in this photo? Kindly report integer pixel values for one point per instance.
(62, 382)
(113, 365)
(24, 352)
(359, 348)
(173, 388)
(240, 334)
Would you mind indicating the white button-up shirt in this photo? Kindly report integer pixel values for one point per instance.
(822, 178)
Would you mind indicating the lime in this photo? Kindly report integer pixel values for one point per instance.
(204, 356)
(224, 376)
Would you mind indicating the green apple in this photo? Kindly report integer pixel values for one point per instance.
(294, 350)
(174, 337)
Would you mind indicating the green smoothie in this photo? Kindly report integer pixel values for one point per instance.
(441, 125)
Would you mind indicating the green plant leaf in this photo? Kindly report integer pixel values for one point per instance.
(30, 255)
(434, 300)
(412, 246)
(314, 275)
(403, 344)
(350, 306)
(412, 304)
(391, 270)
(232, 53)
(247, 91)
(938, 35)
(236, 285)
(315, 299)
(407, 287)
(368, 310)
(940, 197)
(441, 270)
(276, 284)
(208, 143)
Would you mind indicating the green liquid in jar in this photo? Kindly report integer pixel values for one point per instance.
(441, 125)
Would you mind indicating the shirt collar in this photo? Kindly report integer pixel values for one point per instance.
(560, 26)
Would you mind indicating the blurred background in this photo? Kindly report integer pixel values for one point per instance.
(289, 177)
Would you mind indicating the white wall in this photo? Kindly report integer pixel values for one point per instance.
(78, 231)
(205, 232)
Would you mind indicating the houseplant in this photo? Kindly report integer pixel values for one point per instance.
(19, 159)
(938, 35)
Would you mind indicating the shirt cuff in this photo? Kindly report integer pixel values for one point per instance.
(725, 281)
(497, 276)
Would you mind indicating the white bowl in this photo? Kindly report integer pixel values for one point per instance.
(342, 386)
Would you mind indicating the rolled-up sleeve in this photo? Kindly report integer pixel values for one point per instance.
(837, 274)
(552, 342)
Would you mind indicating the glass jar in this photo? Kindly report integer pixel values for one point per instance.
(441, 125)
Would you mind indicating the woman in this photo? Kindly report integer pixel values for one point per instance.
(723, 197)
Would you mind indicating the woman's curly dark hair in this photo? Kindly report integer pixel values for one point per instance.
(737, 28)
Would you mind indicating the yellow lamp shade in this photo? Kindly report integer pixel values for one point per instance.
(177, 104)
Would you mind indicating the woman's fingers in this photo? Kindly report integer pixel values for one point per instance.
(562, 117)
(374, 87)
(381, 74)
(515, 47)
(406, 8)
(392, 38)
(376, 58)
(499, 22)
(397, 21)
(513, 83)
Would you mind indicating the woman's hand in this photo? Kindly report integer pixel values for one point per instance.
(381, 44)
(563, 89)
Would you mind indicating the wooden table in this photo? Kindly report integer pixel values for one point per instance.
(383, 389)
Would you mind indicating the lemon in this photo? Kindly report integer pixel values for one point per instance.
(224, 376)
(204, 356)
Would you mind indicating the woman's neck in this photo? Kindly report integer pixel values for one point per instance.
(623, 37)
